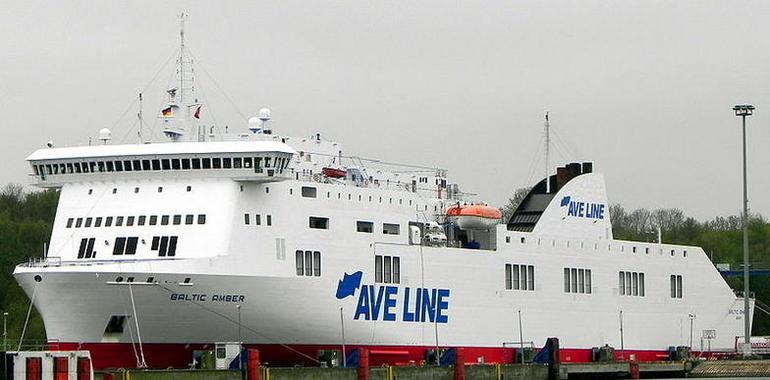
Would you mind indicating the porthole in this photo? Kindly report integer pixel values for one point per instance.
(38, 278)
(136, 190)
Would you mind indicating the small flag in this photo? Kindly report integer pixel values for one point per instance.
(166, 111)
(197, 113)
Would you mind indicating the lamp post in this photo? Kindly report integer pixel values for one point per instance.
(692, 319)
(742, 111)
(5, 332)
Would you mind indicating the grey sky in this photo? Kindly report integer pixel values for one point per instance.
(643, 89)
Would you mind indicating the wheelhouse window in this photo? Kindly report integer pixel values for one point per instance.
(391, 229)
(365, 227)
(319, 223)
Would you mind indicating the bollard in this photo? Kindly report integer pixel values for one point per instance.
(252, 367)
(363, 364)
(633, 369)
(459, 364)
(554, 362)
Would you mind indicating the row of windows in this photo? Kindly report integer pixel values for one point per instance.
(259, 164)
(676, 286)
(86, 250)
(165, 245)
(631, 284)
(312, 192)
(634, 249)
(519, 277)
(258, 219)
(308, 263)
(387, 269)
(125, 245)
(129, 221)
(577, 280)
(322, 223)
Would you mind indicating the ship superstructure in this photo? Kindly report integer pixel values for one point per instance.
(284, 242)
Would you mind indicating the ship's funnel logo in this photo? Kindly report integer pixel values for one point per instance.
(348, 285)
(579, 209)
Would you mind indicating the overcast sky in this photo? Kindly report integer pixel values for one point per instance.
(642, 88)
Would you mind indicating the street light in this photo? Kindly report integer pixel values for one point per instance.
(742, 111)
(5, 332)
(692, 319)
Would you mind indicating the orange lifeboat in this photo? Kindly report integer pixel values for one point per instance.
(474, 217)
(334, 172)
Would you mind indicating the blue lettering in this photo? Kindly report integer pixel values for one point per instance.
(601, 211)
(417, 306)
(408, 316)
(376, 301)
(390, 302)
(443, 304)
(428, 305)
(581, 208)
(363, 303)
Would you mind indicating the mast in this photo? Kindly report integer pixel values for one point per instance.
(547, 146)
(182, 17)
(139, 115)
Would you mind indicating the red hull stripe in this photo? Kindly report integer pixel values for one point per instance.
(157, 355)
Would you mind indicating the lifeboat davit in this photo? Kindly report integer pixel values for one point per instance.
(334, 172)
(474, 217)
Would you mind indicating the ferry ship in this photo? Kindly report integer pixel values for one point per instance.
(288, 245)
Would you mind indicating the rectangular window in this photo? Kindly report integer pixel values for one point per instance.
(258, 219)
(641, 284)
(164, 220)
(396, 270)
(189, 218)
(155, 243)
(163, 246)
(118, 221)
(247, 162)
(165, 164)
(581, 281)
(119, 166)
(316, 263)
(137, 165)
(201, 218)
(366, 227)
(109, 166)
(515, 272)
(69, 222)
(175, 164)
(216, 163)
(678, 286)
(588, 281)
(196, 163)
(635, 284)
(567, 280)
(226, 164)
(622, 283)
(378, 268)
(78, 222)
(98, 221)
(391, 229)
(142, 220)
(269, 220)
(185, 163)
(120, 245)
(309, 192)
(177, 220)
(299, 261)
(153, 220)
(206, 163)
(130, 221)
(236, 163)
(131, 245)
(90, 249)
(246, 219)
(523, 277)
(172, 246)
(628, 283)
(319, 223)
(108, 221)
(82, 249)
(508, 277)
(308, 263)
(574, 280)
(387, 269)
(530, 277)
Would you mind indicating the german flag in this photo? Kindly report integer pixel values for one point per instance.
(167, 112)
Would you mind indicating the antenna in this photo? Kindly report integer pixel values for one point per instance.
(547, 146)
(139, 115)
(182, 18)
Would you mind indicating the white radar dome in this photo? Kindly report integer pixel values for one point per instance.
(255, 124)
(105, 135)
(264, 114)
